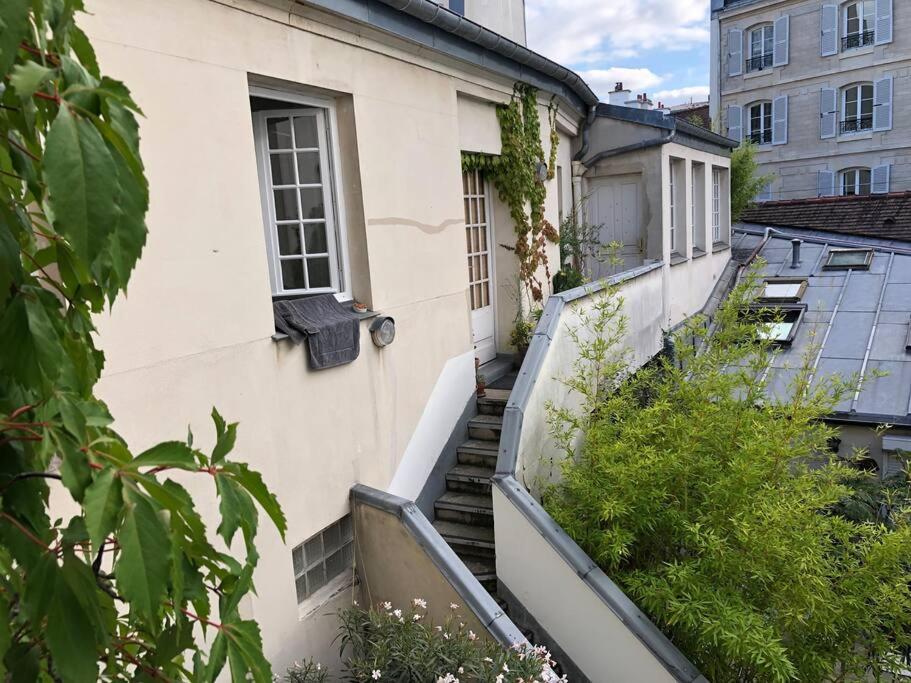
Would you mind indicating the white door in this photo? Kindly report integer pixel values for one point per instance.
(480, 266)
(616, 206)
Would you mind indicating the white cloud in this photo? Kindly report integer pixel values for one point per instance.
(692, 93)
(583, 31)
(638, 80)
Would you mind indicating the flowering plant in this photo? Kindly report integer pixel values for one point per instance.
(390, 644)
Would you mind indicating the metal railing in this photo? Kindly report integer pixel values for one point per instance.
(760, 137)
(855, 40)
(857, 124)
(759, 63)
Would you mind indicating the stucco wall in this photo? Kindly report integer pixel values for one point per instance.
(795, 164)
(506, 17)
(195, 329)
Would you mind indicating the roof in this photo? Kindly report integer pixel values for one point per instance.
(658, 119)
(429, 24)
(855, 321)
(876, 215)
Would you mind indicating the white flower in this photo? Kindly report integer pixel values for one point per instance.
(416, 617)
(397, 613)
(488, 659)
(461, 669)
(473, 636)
(420, 602)
(499, 678)
(452, 605)
(438, 628)
(387, 606)
(376, 675)
(505, 668)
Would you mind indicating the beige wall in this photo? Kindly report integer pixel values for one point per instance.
(506, 17)
(794, 165)
(195, 330)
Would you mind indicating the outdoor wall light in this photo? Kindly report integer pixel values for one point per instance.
(382, 331)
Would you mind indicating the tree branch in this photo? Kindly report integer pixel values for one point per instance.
(29, 475)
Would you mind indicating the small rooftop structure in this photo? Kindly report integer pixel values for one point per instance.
(853, 296)
(886, 216)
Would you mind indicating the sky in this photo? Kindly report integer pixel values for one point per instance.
(656, 46)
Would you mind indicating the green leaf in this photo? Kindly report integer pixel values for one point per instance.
(226, 436)
(30, 340)
(27, 78)
(165, 454)
(13, 28)
(252, 481)
(84, 51)
(236, 508)
(245, 652)
(143, 566)
(82, 183)
(102, 503)
(5, 635)
(10, 265)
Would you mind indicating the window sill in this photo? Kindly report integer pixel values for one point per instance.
(281, 336)
(856, 52)
(677, 259)
(720, 246)
(698, 253)
(850, 137)
(757, 74)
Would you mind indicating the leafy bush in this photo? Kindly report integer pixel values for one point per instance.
(745, 183)
(711, 505)
(115, 591)
(390, 644)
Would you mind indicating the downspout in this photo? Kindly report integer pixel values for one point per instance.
(577, 167)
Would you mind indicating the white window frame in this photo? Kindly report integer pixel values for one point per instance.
(863, 5)
(766, 30)
(716, 205)
(856, 170)
(673, 206)
(842, 117)
(765, 112)
(336, 232)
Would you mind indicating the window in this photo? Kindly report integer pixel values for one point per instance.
(857, 108)
(779, 324)
(783, 290)
(474, 195)
(716, 205)
(844, 259)
(673, 212)
(855, 181)
(760, 132)
(323, 557)
(762, 46)
(859, 26)
(697, 206)
(305, 244)
(457, 6)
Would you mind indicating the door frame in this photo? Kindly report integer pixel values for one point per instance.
(491, 264)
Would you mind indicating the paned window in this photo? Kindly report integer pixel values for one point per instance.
(760, 132)
(673, 216)
(474, 190)
(855, 181)
(323, 557)
(762, 46)
(857, 108)
(859, 26)
(716, 205)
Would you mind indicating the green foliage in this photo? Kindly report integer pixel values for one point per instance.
(514, 175)
(116, 590)
(745, 183)
(715, 507)
(385, 643)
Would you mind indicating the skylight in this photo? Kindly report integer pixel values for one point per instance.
(843, 259)
(784, 290)
(779, 324)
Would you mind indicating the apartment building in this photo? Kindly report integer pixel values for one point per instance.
(820, 88)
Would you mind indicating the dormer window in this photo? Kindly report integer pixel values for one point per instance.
(762, 47)
(783, 290)
(760, 123)
(859, 26)
(849, 259)
(854, 182)
(857, 108)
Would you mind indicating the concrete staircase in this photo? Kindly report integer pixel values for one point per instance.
(464, 513)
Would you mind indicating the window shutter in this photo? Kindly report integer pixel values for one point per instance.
(780, 120)
(827, 113)
(882, 104)
(782, 30)
(879, 179)
(735, 123)
(828, 42)
(735, 52)
(825, 183)
(883, 24)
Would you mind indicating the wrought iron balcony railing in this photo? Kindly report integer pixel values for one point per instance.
(759, 63)
(760, 137)
(855, 40)
(856, 125)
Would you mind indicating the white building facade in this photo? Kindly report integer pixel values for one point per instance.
(819, 87)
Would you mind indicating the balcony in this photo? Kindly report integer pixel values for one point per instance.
(853, 41)
(760, 137)
(857, 125)
(759, 63)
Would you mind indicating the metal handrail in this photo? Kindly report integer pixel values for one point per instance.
(761, 137)
(759, 63)
(857, 124)
(859, 39)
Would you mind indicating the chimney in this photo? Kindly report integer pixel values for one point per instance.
(618, 95)
(795, 252)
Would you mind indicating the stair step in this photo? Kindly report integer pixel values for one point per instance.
(485, 427)
(465, 508)
(477, 452)
(484, 570)
(466, 538)
(469, 479)
(493, 402)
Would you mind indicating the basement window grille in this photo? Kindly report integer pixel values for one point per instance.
(323, 557)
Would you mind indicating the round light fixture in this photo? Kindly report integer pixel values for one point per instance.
(382, 331)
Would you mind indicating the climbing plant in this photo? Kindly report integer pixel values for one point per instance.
(118, 578)
(514, 174)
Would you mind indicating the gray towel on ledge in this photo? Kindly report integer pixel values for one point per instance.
(333, 333)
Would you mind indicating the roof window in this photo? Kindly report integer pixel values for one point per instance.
(783, 290)
(845, 259)
(779, 324)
